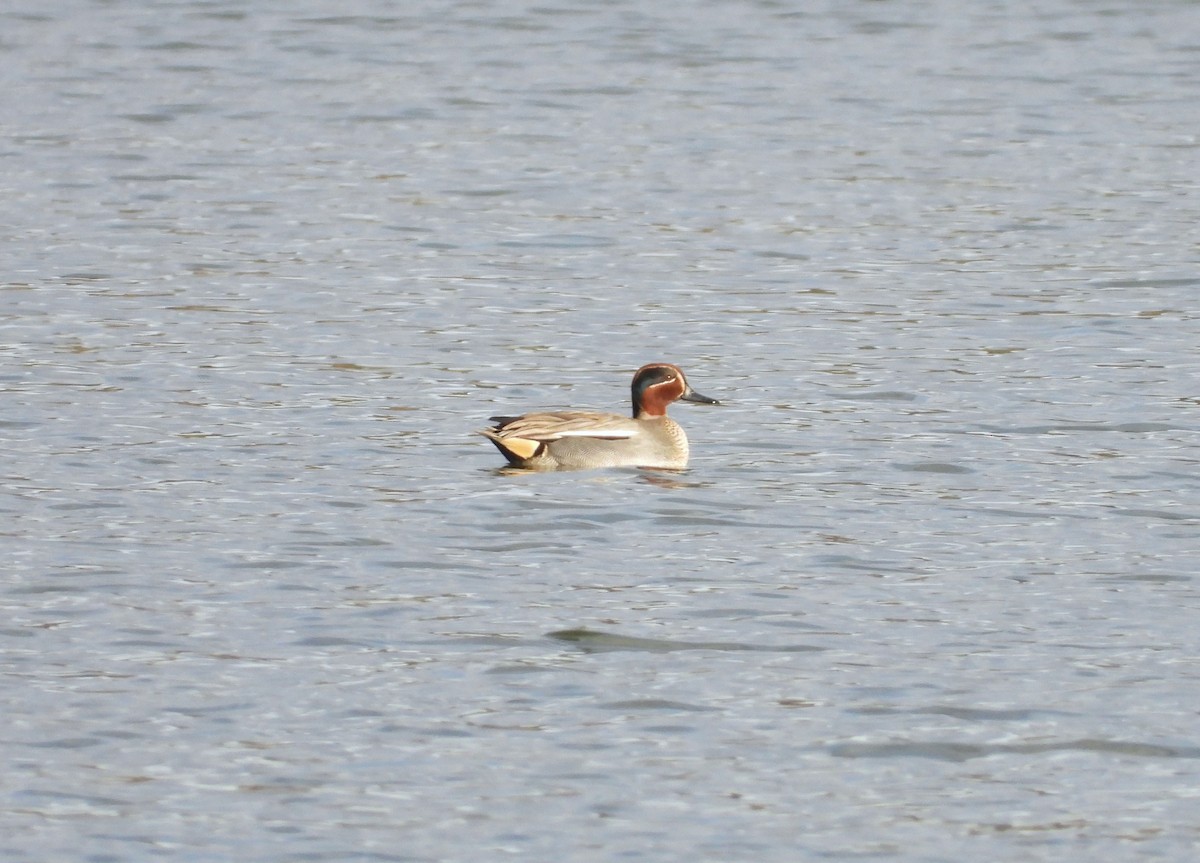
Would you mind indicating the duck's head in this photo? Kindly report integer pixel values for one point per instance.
(656, 385)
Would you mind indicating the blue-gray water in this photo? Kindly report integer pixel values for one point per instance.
(927, 593)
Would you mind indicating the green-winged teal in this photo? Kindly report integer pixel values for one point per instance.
(565, 440)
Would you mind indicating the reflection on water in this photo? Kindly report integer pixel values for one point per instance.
(593, 641)
(926, 590)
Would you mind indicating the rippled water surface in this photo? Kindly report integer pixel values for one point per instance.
(928, 591)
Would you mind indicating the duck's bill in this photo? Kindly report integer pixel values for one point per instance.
(692, 396)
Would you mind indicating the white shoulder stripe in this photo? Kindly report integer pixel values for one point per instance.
(600, 432)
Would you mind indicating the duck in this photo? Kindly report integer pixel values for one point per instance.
(577, 440)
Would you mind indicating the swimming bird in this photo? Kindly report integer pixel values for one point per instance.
(572, 440)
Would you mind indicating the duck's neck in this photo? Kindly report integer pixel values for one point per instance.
(651, 407)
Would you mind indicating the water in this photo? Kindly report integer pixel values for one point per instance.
(927, 593)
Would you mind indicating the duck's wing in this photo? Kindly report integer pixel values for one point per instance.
(556, 425)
